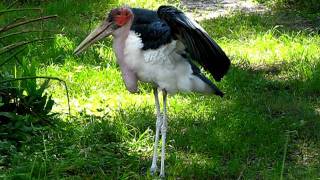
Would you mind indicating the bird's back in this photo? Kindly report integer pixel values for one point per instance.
(153, 31)
(144, 16)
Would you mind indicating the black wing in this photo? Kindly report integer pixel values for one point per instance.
(198, 43)
(153, 31)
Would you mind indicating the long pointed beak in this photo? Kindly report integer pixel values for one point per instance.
(100, 32)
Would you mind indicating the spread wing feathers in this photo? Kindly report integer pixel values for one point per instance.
(153, 31)
(153, 35)
(198, 43)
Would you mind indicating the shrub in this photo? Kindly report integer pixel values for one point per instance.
(24, 104)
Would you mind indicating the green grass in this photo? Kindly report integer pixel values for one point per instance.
(272, 97)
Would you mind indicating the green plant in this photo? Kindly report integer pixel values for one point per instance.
(24, 103)
(11, 93)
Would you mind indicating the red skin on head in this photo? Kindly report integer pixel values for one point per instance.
(122, 17)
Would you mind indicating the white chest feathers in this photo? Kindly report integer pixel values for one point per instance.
(135, 57)
(164, 66)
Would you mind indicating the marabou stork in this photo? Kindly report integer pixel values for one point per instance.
(164, 48)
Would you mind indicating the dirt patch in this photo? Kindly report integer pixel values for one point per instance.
(208, 9)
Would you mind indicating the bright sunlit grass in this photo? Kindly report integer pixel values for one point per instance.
(268, 48)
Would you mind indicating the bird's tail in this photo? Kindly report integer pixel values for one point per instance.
(217, 90)
(212, 86)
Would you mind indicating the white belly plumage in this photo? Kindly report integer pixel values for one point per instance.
(163, 67)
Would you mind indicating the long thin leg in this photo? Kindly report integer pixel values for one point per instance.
(153, 168)
(164, 132)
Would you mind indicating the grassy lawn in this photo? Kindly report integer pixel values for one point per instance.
(266, 127)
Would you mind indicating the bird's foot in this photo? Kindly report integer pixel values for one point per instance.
(162, 175)
(153, 170)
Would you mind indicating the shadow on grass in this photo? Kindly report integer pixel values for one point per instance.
(243, 25)
(249, 128)
(242, 134)
(93, 148)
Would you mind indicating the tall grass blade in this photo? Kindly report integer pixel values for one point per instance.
(26, 31)
(12, 4)
(6, 28)
(12, 56)
(19, 44)
(20, 9)
(284, 155)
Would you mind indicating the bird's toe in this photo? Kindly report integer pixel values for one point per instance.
(162, 175)
(153, 170)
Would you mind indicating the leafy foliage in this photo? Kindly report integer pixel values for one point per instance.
(25, 105)
(25, 97)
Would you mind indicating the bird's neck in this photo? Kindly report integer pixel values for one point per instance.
(119, 44)
(119, 41)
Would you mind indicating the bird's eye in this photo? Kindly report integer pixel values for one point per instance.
(119, 13)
